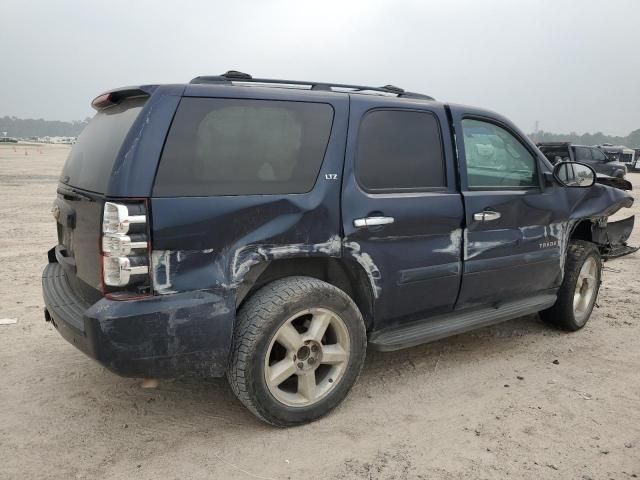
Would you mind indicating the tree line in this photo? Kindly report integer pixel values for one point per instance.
(632, 140)
(30, 127)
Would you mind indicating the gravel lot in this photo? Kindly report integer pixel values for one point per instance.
(489, 404)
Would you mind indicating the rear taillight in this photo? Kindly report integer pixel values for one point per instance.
(117, 218)
(125, 246)
(102, 101)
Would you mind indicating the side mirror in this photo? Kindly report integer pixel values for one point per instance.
(573, 174)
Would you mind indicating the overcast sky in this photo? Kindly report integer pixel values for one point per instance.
(571, 65)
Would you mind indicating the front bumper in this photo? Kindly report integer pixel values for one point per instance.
(612, 240)
(165, 336)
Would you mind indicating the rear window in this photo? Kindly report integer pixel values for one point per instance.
(556, 154)
(243, 147)
(91, 160)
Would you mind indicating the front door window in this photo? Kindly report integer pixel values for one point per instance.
(495, 158)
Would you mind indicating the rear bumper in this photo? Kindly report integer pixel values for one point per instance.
(184, 334)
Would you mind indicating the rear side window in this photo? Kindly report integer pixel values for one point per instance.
(399, 151)
(583, 153)
(91, 160)
(243, 147)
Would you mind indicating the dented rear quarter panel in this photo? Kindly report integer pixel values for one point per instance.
(211, 243)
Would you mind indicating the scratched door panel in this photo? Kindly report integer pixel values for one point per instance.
(515, 227)
(514, 256)
(413, 264)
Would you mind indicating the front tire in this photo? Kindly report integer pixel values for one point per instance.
(579, 290)
(299, 346)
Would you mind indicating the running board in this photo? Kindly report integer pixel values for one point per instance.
(454, 323)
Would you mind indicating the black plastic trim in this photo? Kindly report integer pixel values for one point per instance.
(456, 322)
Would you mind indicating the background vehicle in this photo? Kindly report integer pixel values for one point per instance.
(231, 226)
(592, 156)
(618, 153)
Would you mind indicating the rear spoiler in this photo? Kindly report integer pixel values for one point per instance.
(113, 97)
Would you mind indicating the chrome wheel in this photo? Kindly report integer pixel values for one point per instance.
(307, 357)
(585, 290)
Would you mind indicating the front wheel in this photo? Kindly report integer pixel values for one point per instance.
(579, 290)
(299, 346)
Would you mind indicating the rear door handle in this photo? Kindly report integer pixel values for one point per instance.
(486, 216)
(372, 221)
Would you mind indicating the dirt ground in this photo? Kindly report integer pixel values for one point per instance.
(518, 400)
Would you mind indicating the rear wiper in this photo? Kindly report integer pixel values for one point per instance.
(73, 194)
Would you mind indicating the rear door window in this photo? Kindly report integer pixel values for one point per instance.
(92, 158)
(400, 151)
(243, 147)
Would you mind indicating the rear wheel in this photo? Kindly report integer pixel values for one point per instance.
(299, 347)
(579, 291)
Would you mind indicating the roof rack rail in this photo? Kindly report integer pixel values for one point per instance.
(235, 76)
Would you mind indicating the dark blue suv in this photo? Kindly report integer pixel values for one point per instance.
(270, 230)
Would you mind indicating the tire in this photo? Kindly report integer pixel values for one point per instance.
(263, 342)
(583, 258)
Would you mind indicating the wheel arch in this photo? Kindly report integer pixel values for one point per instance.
(600, 231)
(582, 230)
(345, 274)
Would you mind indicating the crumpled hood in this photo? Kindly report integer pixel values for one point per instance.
(599, 201)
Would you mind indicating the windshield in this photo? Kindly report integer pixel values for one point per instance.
(91, 160)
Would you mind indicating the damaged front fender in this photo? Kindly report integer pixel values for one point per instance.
(613, 237)
(590, 213)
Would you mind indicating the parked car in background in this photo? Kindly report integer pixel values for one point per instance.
(636, 160)
(592, 156)
(619, 153)
(8, 140)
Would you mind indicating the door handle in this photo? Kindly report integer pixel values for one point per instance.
(486, 216)
(372, 221)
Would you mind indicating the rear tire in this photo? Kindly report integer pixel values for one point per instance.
(579, 290)
(299, 346)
